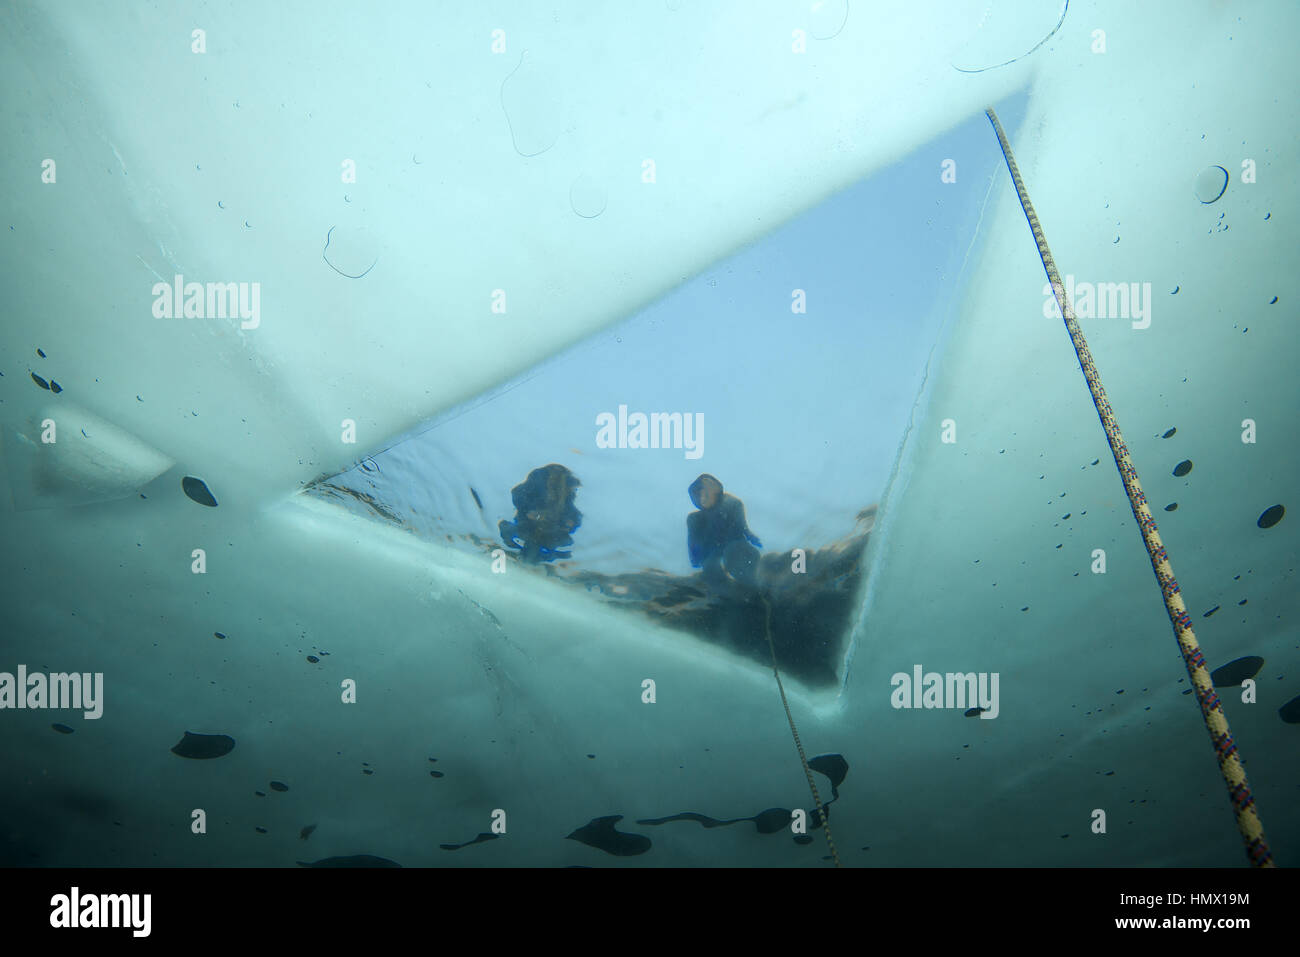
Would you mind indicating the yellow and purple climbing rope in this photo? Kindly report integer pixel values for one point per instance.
(1225, 748)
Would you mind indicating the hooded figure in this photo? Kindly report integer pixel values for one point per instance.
(545, 516)
(718, 539)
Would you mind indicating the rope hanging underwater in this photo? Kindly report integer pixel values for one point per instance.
(1225, 748)
(812, 786)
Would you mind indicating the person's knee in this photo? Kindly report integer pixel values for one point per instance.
(713, 571)
(742, 562)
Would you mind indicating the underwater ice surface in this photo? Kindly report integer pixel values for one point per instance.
(802, 413)
(338, 684)
(799, 407)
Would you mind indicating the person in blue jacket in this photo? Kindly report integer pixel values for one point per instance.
(718, 539)
(545, 515)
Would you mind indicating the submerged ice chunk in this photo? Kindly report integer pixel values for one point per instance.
(204, 746)
(197, 490)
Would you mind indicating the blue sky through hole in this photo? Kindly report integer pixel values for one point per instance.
(802, 413)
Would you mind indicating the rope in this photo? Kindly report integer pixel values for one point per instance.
(1225, 748)
(812, 785)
